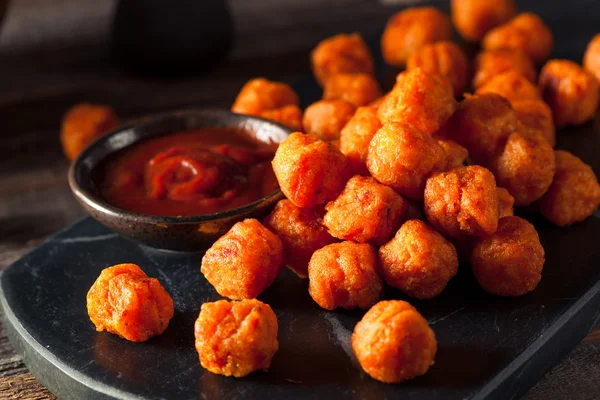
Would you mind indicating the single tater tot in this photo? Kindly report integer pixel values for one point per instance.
(474, 18)
(512, 86)
(526, 32)
(260, 94)
(341, 54)
(570, 91)
(509, 262)
(124, 301)
(356, 136)
(244, 261)
(456, 155)
(505, 203)
(290, 115)
(301, 232)
(344, 275)
(420, 99)
(535, 115)
(393, 342)
(402, 157)
(357, 89)
(309, 171)
(365, 211)
(462, 202)
(327, 118)
(445, 59)
(491, 63)
(574, 193)
(83, 124)
(418, 260)
(410, 29)
(236, 338)
(591, 58)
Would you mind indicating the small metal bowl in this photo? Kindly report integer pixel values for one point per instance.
(190, 234)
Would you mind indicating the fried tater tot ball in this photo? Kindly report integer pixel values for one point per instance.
(512, 86)
(366, 212)
(259, 95)
(290, 116)
(403, 157)
(445, 59)
(84, 123)
(124, 301)
(309, 171)
(526, 32)
(418, 260)
(570, 91)
(236, 338)
(393, 342)
(591, 58)
(244, 261)
(356, 136)
(474, 18)
(357, 89)
(344, 275)
(420, 99)
(535, 115)
(574, 193)
(326, 118)
(505, 203)
(409, 30)
(509, 262)
(462, 202)
(301, 232)
(491, 63)
(341, 54)
(456, 155)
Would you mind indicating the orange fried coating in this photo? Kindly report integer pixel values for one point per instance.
(474, 18)
(505, 203)
(456, 155)
(445, 59)
(290, 116)
(526, 32)
(309, 171)
(356, 136)
(591, 58)
(393, 342)
(410, 29)
(326, 118)
(344, 275)
(403, 157)
(574, 193)
(491, 63)
(512, 86)
(509, 262)
(357, 89)
(570, 91)
(341, 54)
(83, 124)
(124, 301)
(418, 260)
(259, 95)
(535, 115)
(420, 99)
(301, 232)
(244, 261)
(365, 212)
(236, 338)
(462, 202)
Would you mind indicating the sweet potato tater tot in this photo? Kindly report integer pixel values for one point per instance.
(462, 202)
(83, 124)
(356, 136)
(474, 18)
(259, 95)
(505, 203)
(344, 275)
(341, 54)
(512, 86)
(357, 89)
(445, 59)
(366, 212)
(420, 99)
(290, 116)
(509, 262)
(402, 157)
(591, 58)
(456, 155)
(409, 30)
(326, 118)
(124, 301)
(244, 261)
(309, 171)
(301, 232)
(418, 260)
(574, 193)
(535, 115)
(526, 32)
(570, 91)
(393, 342)
(236, 338)
(491, 63)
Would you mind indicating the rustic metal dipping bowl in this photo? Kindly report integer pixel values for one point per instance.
(193, 233)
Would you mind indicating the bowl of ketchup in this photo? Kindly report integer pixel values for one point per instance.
(178, 181)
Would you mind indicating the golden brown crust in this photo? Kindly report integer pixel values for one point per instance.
(290, 115)
(491, 63)
(512, 86)
(535, 115)
(455, 153)
(326, 118)
(591, 58)
(505, 203)
(474, 18)
(259, 95)
(357, 89)
(356, 136)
